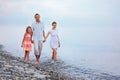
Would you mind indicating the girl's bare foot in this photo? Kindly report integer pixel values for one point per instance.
(29, 61)
(24, 61)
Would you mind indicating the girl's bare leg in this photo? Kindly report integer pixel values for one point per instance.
(28, 56)
(25, 55)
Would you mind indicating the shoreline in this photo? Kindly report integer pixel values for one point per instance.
(13, 68)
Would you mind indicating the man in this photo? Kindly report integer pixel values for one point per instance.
(38, 35)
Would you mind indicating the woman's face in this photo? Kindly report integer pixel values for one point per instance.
(54, 26)
(29, 30)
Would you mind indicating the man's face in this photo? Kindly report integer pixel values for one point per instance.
(37, 17)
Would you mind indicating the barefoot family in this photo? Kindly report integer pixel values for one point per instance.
(35, 35)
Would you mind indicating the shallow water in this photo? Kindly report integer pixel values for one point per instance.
(88, 52)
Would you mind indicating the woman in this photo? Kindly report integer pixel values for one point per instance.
(54, 42)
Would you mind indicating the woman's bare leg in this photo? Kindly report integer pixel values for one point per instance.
(54, 54)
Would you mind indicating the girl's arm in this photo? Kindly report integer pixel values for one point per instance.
(23, 40)
(32, 37)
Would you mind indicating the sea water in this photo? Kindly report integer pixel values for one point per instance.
(95, 48)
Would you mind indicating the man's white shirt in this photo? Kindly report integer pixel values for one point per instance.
(38, 29)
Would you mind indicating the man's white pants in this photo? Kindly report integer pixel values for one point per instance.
(38, 44)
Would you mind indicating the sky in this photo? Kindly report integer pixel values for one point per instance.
(91, 22)
(66, 12)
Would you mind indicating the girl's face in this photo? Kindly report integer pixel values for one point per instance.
(54, 26)
(29, 30)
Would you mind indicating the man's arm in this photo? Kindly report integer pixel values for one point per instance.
(44, 34)
(32, 32)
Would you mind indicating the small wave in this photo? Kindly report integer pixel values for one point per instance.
(1, 47)
(77, 73)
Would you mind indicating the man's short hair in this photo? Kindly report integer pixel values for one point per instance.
(54, 23)
(36, 14)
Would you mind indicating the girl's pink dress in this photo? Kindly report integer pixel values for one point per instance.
(27, 44)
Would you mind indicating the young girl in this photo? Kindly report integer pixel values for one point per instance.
(54, 42)
(27, 43)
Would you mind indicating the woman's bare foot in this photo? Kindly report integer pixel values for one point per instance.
(37, 62)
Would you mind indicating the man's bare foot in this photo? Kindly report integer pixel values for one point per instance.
(55, 60)
(52, 58)
(39, 62)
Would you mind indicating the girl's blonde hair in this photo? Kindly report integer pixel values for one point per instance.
(27, 30)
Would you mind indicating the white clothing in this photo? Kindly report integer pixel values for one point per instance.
(54, 38)
(38, 29)
(38, 47)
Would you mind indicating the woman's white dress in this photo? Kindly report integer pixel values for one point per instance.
(54, 38)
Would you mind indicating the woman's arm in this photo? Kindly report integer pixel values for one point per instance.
(46, 36)
(58, 41)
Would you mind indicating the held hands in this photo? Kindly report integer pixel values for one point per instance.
(59, 44)
(32, 41)
(21, 45)
(44, 40)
